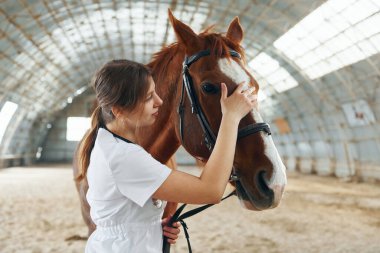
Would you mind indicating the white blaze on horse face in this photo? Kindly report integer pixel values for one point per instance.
(234, 71)
(279, 171)
(278, 181)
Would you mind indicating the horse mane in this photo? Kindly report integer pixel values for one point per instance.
(167, 63)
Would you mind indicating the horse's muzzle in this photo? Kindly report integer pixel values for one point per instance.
(266, 196)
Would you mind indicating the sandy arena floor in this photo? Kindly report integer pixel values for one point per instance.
(39, 209)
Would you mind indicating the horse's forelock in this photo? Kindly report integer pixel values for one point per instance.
(220, 44)
(208, 30)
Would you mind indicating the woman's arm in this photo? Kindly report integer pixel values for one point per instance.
(210, 186)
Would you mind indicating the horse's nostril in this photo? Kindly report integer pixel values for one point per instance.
(256, 194)
(262, 184)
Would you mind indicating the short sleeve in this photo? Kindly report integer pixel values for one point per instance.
(137, 174)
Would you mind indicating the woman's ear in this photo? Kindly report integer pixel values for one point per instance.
(116, 111)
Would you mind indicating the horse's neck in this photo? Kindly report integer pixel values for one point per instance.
(160, 139)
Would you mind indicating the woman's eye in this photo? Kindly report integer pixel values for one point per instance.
(210, 88)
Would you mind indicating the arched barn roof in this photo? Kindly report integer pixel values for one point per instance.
(317, 63)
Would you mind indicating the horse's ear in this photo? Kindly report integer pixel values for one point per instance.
(235, 31)
(184, 33)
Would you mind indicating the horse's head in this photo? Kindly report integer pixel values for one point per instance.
(211, 59)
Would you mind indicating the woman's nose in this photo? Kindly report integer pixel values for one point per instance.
(158, 100)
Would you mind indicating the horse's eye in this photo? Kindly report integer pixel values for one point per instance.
(210, 88)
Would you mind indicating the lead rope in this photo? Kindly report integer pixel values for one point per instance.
(180, 218)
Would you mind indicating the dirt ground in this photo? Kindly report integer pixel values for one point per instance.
(39, 209)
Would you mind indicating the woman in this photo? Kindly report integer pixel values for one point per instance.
(126, 184)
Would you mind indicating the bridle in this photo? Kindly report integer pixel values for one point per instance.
(187, 84)
(209, 137)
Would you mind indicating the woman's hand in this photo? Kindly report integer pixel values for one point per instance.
(170, 232)
(239, 103)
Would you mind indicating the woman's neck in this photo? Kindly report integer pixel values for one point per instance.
(122, 130)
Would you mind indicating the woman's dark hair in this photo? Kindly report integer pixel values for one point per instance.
(120, 83)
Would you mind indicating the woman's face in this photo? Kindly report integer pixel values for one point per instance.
(146, 114)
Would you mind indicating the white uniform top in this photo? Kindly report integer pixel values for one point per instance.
(122, 177)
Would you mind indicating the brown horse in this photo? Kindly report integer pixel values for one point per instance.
(261, 172)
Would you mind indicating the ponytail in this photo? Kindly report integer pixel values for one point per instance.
(88, 143)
